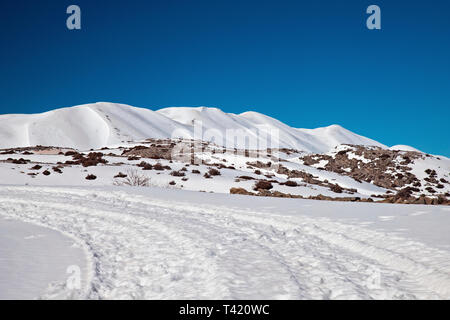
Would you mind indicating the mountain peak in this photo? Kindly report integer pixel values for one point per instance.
(105, 124)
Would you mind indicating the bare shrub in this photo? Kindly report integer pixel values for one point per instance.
(134, 179)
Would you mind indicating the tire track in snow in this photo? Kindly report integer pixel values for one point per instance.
(254, 255)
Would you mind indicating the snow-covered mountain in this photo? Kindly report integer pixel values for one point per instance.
(109, 124)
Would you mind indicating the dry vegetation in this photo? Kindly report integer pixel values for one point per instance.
(132, 178)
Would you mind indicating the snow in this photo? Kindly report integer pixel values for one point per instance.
(335, 135)
(35, 261)
(151, 243)
(440, 164)
(173, 242)
(93, 126)
(401, 147)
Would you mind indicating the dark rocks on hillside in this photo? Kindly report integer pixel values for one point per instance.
(241, 191)
(160, 167)
(57, 169)
(336, 188)
(214, 172)
(133, 158)
(291, 183)
(380, 167)
(154, 151)
(19, 161)
(177, 174)
(263, 185)
(120, 175)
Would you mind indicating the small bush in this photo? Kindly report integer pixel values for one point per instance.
(36, 167)
(91, 177)
(133, 178)
(195, 171)
(46, 173)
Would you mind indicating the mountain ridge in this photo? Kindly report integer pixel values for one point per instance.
(105, 124)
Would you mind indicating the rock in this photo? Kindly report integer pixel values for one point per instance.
(263, 185)
(241, 191)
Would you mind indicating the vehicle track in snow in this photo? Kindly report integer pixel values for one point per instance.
(144, 248)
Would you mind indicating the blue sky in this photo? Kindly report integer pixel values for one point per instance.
(308, 64)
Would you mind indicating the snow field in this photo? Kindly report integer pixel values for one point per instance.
(144, 246)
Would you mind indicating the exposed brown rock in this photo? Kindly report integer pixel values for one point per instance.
(263, 185)
(241, 191)
(120, 175)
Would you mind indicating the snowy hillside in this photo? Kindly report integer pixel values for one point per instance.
(113, 191)
(107, 124)
(323, 162)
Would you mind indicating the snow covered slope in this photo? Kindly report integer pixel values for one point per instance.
(311, 140)
(84, 127)
(155, 243)
(109, 124)
(402, 147)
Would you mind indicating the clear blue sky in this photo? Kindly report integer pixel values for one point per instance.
(308, 64)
